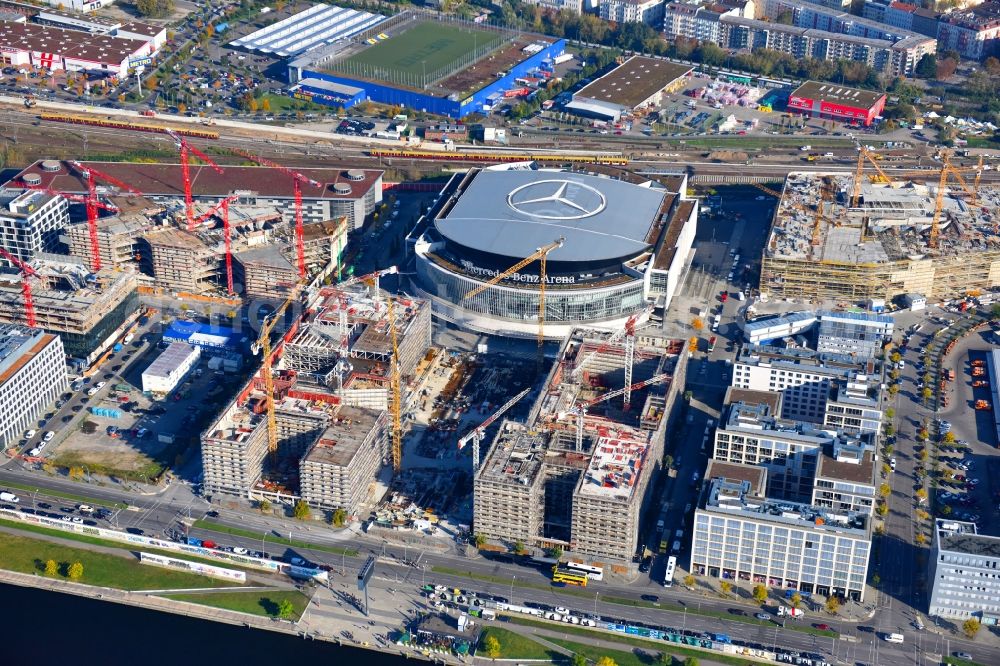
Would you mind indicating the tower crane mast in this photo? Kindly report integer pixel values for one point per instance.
(580, 410)
(186, 150)
(479, 432)
(223, 208)
(541, 255)
(298, 180)
(93, 203)
(26, 273)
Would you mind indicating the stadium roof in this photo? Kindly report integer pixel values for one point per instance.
(513, 213)
(634, 81)
(165, 180)
(836, 94)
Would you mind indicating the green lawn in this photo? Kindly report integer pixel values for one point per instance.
(28, 555)
(673, 648)
(421, 51)
(255, 603)
(955, 661)
(515, 646)
(593, 653)
(83, 499)
(294, 543)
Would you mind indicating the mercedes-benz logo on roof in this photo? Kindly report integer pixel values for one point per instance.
(557, 199)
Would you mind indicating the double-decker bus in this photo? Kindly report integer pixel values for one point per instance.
(593, 572)
(567, 576)
(668, 575)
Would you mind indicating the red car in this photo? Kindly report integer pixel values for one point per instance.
(822, 627)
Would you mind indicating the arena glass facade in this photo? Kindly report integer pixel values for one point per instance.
(384, 93)
(565, 306)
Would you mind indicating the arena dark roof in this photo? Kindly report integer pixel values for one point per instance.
(513, 213)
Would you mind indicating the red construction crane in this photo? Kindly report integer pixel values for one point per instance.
(223, 207)
(297, 179)
(92, 204)
(186, 150)
(91, 175)
(26, 272)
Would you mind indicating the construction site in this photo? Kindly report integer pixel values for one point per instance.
(321, 418)
(182, 238)
(851, 238)
(64, 297)
(577, 472)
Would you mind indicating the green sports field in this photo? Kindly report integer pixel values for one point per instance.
(422, 52)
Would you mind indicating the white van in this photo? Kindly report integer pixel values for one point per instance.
(676, 548)
(9, 497)
(893, 638)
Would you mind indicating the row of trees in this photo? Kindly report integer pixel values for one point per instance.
(73, 571)
(493, 649)
(302, 511)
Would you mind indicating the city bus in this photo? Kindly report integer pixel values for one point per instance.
(593, 573)
(567, 576)
(668, 575)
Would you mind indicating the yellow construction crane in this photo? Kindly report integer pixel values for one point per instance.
(541, 255)
(264, 344)
(865, 155)
(395, 390)
(395, 397)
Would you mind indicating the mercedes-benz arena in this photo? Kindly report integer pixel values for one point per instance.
(626, 240)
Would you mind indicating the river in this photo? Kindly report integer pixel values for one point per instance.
(59, 629)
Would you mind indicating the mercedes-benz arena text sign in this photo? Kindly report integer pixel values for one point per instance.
(556, 199)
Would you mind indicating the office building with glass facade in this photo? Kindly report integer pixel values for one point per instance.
(623, 239)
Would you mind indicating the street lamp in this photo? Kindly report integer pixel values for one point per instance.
(512, 579)
(596, 596)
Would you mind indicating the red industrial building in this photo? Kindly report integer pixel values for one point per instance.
(829, 100)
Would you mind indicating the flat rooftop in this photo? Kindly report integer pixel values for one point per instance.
(634, 81)
(836, 365)
(515, 458)
(615, 468)
(861, 471)
(771, 400)
(956, 536)
(73, 44)
(166, 180)
(340, 442)
(838, 94)
(734, 498)
(18, 345)
(755, 476)
(175, 355)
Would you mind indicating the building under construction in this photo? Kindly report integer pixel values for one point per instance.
(118, 236)
(884, 239)
(578, 472)
(345, 343)
(182, 261)
(83, 308)
(351, 193)
(331, 441)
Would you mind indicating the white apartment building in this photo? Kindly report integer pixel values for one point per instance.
(30, 222)
(575, 6)
(694, 21)
(649, 12)
(32, 377)
(965, 573)
(740, 535)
